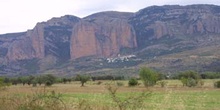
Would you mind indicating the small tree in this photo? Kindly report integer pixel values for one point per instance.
(162, 83)
(3, 84)
(40, 80)
(49, 79)
(24, 80)
(189, 78)
(83, 79)
(30, 79)
(64, 80)
(217, 84)
(34, 83)
(148, 76)
(14, 81)
(133, 82)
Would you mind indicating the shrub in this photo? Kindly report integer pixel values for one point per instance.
(48, 83)
(189, 78)
(191, 82)
(184, 81)
(38, 101)
(162, 83)
(132, 102)
(119, 83)
(148, 76)
(217, 84)
(34, 83)
(133, 82)
(201, 83)
(3, 85)
(99, 83)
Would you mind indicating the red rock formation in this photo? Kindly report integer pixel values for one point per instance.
(101, 36)
(37, 40)
(28, 46)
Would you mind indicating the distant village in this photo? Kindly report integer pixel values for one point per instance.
(120, 58)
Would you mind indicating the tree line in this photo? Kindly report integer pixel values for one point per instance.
(147, 75)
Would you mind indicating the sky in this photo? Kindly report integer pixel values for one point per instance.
(21, 15)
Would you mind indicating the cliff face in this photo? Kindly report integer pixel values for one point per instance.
(152, 31)
(47, 38)
(161, 21)
(102, 35)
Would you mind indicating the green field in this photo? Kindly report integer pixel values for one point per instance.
(97, 97)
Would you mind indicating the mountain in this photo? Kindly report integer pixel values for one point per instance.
(168, 38)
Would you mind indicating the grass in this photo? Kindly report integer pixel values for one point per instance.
(97, 97)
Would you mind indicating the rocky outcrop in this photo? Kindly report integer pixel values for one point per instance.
(42, 40)
(153, 31)
(102, 35)
(159, 21)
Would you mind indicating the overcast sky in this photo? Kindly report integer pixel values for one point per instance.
(21, 15)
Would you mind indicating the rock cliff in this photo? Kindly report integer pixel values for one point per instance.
(158, 21)
(102, 35)
(150, 32)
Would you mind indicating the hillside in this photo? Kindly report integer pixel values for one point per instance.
(168, 38)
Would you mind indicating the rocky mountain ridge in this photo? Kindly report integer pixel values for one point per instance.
(151, 32)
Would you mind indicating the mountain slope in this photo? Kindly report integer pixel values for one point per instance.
(109, 40)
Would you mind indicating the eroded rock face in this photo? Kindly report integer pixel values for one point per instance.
(159, 21)
(47, 38)
(102, 35)
(106, 34)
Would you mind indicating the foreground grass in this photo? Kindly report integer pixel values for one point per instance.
(93, 96)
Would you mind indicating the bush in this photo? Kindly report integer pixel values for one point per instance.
(217, 84)
(3, 85)
(48, 83)
(99, 83)
(38, 101)
(130, 102)
(201, 83)
(34, 83)
(162, 83)
(148, 76)
(133, 82)
(191, 82)
(189, 78)
(120, 83)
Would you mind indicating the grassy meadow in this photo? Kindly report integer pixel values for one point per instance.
(96, 96)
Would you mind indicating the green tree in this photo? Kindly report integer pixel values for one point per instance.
(14, 81)
(189, 78)
(217, 84)
(83, 79)
(40, 80)
(23, 80)
(148, 76)
(30, 79)
(64, 80)
(3, 83)
(133, 82)
(49, 80)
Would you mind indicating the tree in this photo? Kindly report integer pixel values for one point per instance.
(14, 81)
(217, 84)
(49, 79)
(30, 79)
(83, 79)
(40, 80)
(64, 80)
(189, 78)
(133, 82)
(148, 76)
(24, 80)
(3, 84)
